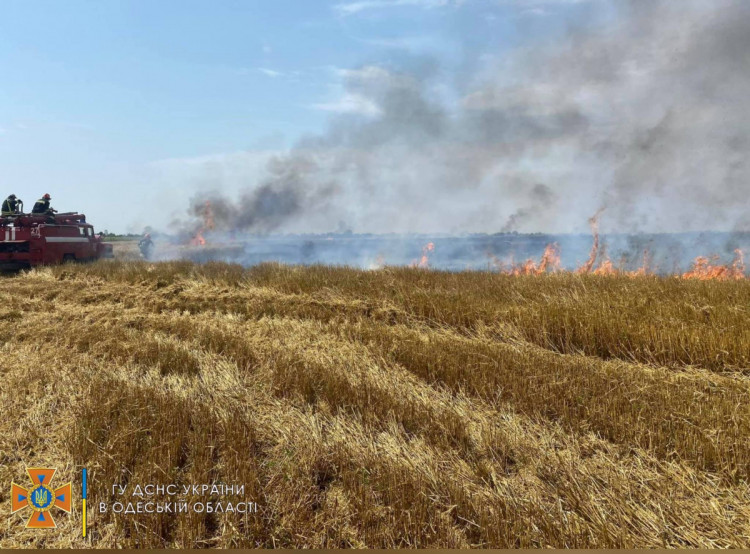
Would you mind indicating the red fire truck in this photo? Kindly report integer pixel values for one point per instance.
(28, 240)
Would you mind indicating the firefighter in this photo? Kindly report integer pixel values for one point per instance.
(42, 206)
(11, 205)
(146, 245)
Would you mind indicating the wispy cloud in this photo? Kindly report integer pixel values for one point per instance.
(351, 8)
(531, 7)
(420, 43)
(536, 12)
(538, 6)
(270, 72)
(351, 103)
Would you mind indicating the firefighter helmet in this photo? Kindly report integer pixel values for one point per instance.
(46, 196)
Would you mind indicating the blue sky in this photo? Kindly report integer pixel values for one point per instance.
(94, 95)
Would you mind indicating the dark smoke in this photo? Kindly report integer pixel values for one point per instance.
(540, 201)
(513, 221)
(647, 114)
(265, 208)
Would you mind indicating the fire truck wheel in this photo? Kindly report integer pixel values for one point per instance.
(69, 258)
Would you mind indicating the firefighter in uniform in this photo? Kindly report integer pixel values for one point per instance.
(146, 245)
(11, 205)
(42, 206)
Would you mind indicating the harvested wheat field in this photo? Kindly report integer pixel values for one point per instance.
(392, 408)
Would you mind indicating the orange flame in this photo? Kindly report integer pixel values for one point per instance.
(594, 223)
(605, 268)
(208, 224)
(550, 260)
(424, 261)
(645, 268)
(706, 268)
(198, 239)
(703, 267)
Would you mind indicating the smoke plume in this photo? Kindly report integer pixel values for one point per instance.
(645, 112)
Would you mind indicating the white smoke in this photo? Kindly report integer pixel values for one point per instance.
(647, 115)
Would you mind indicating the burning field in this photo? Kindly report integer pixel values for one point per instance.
(374, 285)
(687, 255)
(387, 408)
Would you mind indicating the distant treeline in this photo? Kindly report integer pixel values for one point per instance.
(115, 236)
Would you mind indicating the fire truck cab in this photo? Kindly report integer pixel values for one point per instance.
(28, 240)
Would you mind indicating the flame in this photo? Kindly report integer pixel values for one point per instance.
(208, 225)
(550, 260)
(424, 261)
(703, 267)
(198, 239)
(605, 268)
(645, 268)
(594, 223)
(706, 268)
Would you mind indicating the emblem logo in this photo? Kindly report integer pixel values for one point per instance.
(41, 498)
